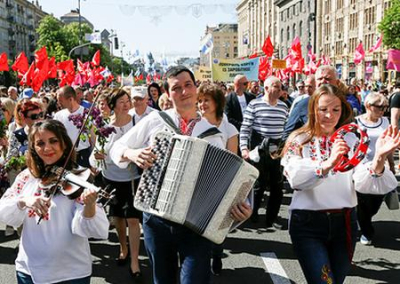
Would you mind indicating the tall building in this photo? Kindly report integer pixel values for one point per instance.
(343, 24)
(256, 20)
(225, 43)
(19, 20)
(296, 18)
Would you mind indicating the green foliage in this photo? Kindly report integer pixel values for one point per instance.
(390, 26)
(60, 39)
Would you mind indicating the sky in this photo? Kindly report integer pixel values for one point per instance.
(170, 28)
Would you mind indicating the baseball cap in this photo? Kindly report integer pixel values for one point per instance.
(138, 92)
(26, 93)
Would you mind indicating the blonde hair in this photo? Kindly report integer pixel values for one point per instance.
(374, 98)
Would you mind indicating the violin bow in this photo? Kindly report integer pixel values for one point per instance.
(60, 175)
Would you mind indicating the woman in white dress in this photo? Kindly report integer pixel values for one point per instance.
(374, 123)
(57, 249)
(323, 223)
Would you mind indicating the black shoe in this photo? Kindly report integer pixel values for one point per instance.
(137, 276)
(216, 265)
(122, 261)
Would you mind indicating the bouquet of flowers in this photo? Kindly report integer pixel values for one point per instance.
(95, 123)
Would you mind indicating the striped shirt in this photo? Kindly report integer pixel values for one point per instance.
(267, 120)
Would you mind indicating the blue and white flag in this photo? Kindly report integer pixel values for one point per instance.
(207, 44)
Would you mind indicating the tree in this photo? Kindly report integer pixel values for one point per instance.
(60, 39)
(390, 26)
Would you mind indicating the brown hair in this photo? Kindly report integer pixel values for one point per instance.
(216, 94)
(312, 127)
(34, 162)
(114, 95)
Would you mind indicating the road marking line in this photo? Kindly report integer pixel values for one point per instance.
(274, 268)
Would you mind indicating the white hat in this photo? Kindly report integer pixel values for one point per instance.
(138, 92)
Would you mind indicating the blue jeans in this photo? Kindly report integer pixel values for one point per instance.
(164, 240)
(23, 278)
(321, 244)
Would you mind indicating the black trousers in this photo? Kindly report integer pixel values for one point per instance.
(368, 206)
(271, 177)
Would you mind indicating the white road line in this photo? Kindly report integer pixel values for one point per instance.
(274, 268)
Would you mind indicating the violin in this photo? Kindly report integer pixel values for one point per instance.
(73, 183)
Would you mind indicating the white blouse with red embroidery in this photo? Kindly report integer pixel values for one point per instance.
(57, 249)
(313, 191)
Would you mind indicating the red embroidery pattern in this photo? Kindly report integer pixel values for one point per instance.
(324, 148)
(187, 127)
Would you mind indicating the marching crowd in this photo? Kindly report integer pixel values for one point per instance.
(284, 132)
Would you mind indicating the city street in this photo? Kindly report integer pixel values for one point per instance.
(252, 256)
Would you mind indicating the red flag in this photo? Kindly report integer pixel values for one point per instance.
(312, 55)
(254, 55)
(148, 79)
(295, 50)
(52, 68)
(3, 62)
(21, 64)
(325, 60)
(96, 58)
(359, 54)
(41, 57)
(393, 61)
(263, 68)
(267, 47)
(27, 78)
(377, 45)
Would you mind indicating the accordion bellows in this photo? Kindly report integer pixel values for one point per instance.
(195, 184)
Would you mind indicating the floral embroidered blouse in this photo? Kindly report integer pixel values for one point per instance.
(57, 249)
(313, 191)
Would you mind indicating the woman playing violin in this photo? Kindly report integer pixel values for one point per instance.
(57, 248)
(323, 222)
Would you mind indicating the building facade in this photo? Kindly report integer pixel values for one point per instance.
(225, 43)
(343, 25)
(256, 20)
(19, 20)
(296, 18)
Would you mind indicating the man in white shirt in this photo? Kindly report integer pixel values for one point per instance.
(139, 100)
(66, 98)
(165, 239)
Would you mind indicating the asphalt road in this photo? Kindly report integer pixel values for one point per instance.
(251, 256)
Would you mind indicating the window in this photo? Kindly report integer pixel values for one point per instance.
(339, 25)
(294, 30)
(353, 44)
(339, 4)
(327, 6)
(353, 21)
(288, 34)
(301, 29)
(369, 15)
(353, 2)
(339, 48)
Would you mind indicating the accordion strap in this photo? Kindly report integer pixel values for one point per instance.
(209, 132)
(168, 120)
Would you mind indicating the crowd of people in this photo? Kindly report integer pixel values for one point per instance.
(283, 131)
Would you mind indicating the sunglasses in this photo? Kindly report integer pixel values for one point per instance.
(383, 108)
(36, 116)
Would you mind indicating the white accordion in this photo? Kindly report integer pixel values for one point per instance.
(195, 184)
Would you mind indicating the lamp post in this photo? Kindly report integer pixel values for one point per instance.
(80, 26)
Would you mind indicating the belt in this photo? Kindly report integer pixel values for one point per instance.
(347, 218)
